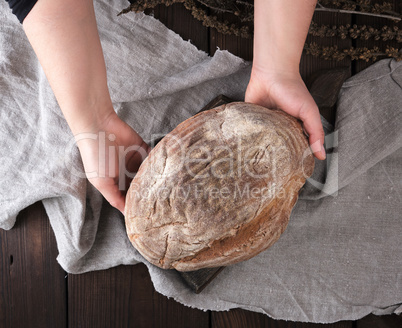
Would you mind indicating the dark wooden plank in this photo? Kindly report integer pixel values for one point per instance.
(242, 47)
(310, 64)
(179, 19)
(237, 318)
(33, 288)
(386, 321)
(125, 297)
(6, 260)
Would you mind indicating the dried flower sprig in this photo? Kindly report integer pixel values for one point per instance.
(213, 21)
(359, 7)
(243, 11)
(199, 13)
(361, 32)
(363, 53)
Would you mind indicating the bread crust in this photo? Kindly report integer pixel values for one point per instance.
(219, 188)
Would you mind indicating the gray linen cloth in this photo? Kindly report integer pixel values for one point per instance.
(340, 257)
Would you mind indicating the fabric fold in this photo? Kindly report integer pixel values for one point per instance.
(368, 128)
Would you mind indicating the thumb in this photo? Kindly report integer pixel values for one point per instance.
(114, 196)
(313, 126)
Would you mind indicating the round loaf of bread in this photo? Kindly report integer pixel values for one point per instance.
(219, 188)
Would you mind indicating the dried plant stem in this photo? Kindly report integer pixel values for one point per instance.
(203, 11)
(349, 7)
(220, 9)
(354, 12)
(361, 6)
(213, 21)
(362, 32)
(197, 12)
(365, 54)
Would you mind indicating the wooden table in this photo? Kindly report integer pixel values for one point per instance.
(36, 292)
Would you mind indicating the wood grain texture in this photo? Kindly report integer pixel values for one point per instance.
(373, 321)
(310, 64)
(33, 288)
(377, 23)
(125, 297)
(180, 20)
(238, 46)
(237, 318)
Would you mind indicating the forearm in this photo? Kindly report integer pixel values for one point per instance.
(64, 35)
(280, 31)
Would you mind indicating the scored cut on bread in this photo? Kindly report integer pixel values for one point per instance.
(219, 188)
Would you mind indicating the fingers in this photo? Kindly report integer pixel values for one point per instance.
(114, 196)
(290, 94)
(113, 190)
(313, 126)
(133, 160)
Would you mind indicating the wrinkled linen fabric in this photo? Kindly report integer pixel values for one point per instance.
(339, 258)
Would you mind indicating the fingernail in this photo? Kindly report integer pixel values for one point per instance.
(323, 154)
(316, 147)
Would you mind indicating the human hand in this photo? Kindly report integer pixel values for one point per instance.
(287, 91)
(112, 154)
(71, 55)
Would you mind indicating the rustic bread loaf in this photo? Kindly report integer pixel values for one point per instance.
(219, 188)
